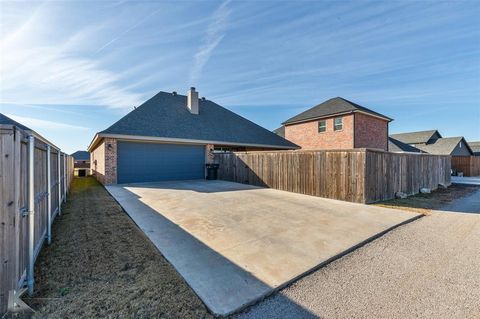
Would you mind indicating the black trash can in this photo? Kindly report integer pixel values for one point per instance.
(212, 171)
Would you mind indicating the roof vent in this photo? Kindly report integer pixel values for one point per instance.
(174, 93)
(192, 101)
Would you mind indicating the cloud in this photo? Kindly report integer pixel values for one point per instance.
(215, 33)
(50, 70)
(38, 124)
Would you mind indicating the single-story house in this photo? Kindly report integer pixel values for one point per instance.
(430, 142)
(9, 121)
(337, 124)
(172, 137)
(475, 146)
(81, 163)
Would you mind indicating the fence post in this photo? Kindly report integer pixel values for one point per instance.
(31, 213)
(59, 184)
(64, 178)
(49, 197)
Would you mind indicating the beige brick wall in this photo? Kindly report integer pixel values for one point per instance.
(105, 167)
(306, 134)
(370, 132)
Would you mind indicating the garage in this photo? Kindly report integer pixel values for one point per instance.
(139, 162)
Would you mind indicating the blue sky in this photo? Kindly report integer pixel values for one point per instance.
(69, 69)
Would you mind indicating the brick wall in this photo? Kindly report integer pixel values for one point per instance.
(307, 136)
(370, 132)
(105, 167)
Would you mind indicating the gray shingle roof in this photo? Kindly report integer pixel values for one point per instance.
(81, 156)
(415, 137)
(280, 131)
(166, 115)
(398, 146)
(475, 146)
(442, 146)
(6, 120)
(332, 107)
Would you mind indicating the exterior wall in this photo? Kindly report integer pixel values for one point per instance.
(370, 132)
(105, 167)
(461, 151)
(306, 134)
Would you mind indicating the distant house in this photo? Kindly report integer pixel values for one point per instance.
(431, 142)
(81, 163)
(172, 137)
(475, 146)
(337, 124)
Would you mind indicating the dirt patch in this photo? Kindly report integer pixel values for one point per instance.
(425, 203)
(101, 265)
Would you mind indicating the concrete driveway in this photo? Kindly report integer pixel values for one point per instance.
(234, 244)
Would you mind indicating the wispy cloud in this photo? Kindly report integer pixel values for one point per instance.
(215, 33)
(38, 124)
(51, 71)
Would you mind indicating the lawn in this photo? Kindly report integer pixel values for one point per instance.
(101, 265)
(425, 203)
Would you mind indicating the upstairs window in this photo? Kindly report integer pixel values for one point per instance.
(322, 126)
(337, 124)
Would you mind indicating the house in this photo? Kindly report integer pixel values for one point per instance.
(430, 142)
(475, 146)
(81, 163)
(171, 137)
(8, 121)
(337, 124)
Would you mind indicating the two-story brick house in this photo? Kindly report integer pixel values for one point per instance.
(337, 124)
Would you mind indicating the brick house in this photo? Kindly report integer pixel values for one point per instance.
(337, 124)
(172, 137)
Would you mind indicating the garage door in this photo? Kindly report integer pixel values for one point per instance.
(150, 162)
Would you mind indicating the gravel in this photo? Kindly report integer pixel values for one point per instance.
(426, 269)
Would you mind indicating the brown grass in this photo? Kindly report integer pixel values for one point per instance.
(425, 203)
(100, 265)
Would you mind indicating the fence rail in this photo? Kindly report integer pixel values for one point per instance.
(22, 215)
(468, 165)
(358, 175)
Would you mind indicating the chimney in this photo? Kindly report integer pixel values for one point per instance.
(192, 101)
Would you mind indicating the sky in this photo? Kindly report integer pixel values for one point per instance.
(69, 69)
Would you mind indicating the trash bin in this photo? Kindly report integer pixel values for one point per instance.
(212, 171)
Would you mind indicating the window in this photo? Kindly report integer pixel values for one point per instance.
(322, 126)
(337, 124)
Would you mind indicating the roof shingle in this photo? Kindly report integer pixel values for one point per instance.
(166, 115)
(331, 107)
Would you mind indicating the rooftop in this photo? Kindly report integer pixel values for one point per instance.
(333, 106)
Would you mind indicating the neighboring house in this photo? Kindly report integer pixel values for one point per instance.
(337, 124)
(430, 142)
(171, 137)
(475, 146)
(8, 121)
(81, 163)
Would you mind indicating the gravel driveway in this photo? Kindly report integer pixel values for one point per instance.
(426, 269)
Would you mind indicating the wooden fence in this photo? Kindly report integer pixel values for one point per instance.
(49, 191)
(468, 165)
(358, 175)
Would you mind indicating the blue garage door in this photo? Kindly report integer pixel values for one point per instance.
(150, 162)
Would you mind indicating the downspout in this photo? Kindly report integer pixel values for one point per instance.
(49, 198)
(31, 214)
(59, 185)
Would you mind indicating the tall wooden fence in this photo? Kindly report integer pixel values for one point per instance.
(468, 165)
(14, 214)
(358, 175)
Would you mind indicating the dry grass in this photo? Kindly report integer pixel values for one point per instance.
(101, 265)
(425, 203)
